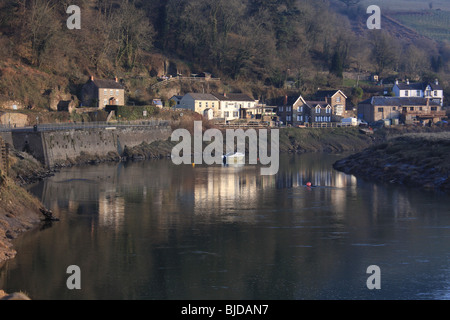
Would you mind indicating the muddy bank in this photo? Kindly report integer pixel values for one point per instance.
(420, 160)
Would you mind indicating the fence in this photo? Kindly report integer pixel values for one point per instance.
(329, 125)
(87, 125)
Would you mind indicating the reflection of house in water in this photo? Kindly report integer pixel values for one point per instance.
(322, 178)
(111, 209)
(223, 189)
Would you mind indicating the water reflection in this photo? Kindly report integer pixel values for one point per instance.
(152, 230)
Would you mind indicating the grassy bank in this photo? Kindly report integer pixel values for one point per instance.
(413, 159)
(301, 140)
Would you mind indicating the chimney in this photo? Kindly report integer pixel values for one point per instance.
(396, 81)
(225, 94)
(436, 81)
(407, 81)
(285, 99)
(117, 80)
(92, 78)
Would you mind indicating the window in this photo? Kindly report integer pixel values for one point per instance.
(418, 93)
(328, 109)
(420, 108)
(236, 114)
(281, 109)
(206, 104)
(338, 99)
(406, 93)
(288, 109)
(212, 104)
(200, 104)
(394, 108)
(117, 92)
(433, 108)
(411, 108)
(435, 93)
(300, 109)
(105, 92)
(111, 92)
(380, 110)
(299, 118)
(226, 114)
(317, 109)
(288, 118)
(105, 102)
(316, 119)
(428, 93)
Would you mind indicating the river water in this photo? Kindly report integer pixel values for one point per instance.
(153, 230)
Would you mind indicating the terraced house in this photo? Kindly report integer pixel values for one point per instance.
(296, 111)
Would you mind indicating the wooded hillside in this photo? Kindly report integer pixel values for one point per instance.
(265, 42)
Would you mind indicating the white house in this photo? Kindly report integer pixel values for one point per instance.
(203, 103)
(232, 104)
(431, 90)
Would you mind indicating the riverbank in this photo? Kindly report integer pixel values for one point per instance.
(19, 212)
(420, 160)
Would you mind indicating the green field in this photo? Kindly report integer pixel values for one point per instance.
(408, 5)
(430, 23)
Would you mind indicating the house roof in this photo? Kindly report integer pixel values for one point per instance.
(398, 101)
(418, 86)
(284, 101)
(314, 104)
(203, 96)
(233, 97)
(322, 94)
(107, 84)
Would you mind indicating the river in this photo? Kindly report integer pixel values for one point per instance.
(153, 230)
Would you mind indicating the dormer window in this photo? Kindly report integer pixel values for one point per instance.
(317, 109)
(328, 109)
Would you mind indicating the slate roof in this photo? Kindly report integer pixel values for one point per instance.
(281, 101)
(418, 86)
(314, 104)
(203, 96)
(233, 97)
(398, 101)
(322, 94)
(107, 84)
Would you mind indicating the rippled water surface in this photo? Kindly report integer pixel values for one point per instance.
(152, 230)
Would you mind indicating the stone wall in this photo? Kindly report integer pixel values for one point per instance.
(52, 147)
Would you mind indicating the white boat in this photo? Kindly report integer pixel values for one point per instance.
(234, 158)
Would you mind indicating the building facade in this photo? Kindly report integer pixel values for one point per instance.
(101, 93)
(429, 90)
(233, 106)
(203, 103)
(406, 110)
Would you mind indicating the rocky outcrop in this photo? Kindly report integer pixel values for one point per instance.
(413, 160)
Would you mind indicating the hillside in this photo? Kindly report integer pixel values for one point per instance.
(253, 46)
